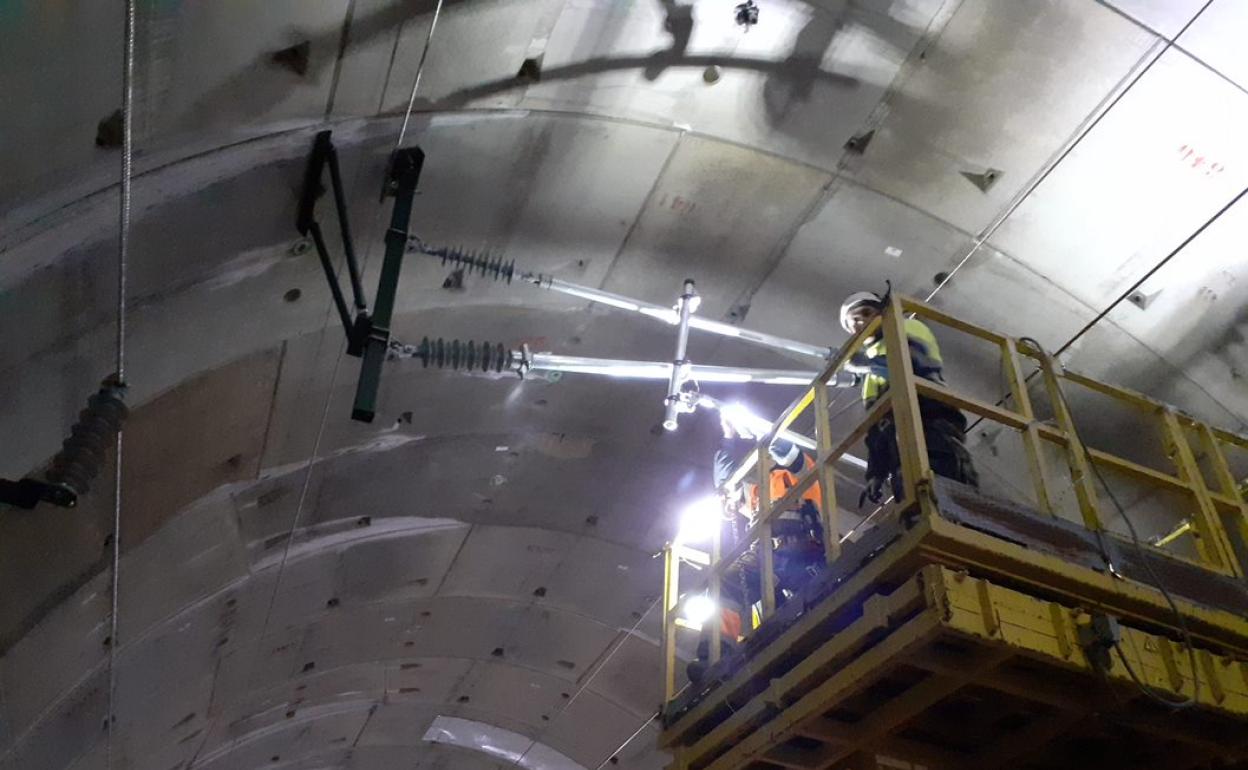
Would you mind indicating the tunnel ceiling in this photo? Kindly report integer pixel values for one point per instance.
(301, 591)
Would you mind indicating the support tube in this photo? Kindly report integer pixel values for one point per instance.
(680, 364)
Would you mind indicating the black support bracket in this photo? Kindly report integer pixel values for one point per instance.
(368, 334)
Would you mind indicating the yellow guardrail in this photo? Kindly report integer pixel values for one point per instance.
(1215, 517)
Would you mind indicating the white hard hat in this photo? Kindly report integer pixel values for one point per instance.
(855, 301)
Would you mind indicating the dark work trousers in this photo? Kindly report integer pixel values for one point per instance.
(944, 429)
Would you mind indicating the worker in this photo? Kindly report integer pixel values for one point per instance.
(944, 427)
(797, 533)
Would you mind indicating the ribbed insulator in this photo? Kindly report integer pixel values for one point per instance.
(465, 356)
(82, 454)
(481, 262)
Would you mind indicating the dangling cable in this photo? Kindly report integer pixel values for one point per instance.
(308, 468)
(420, 69)
(1156, 580)
(628, 740)
(123, 249)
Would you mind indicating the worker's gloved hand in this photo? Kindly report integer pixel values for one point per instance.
(874, 491)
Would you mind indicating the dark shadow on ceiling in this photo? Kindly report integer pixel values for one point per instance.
(679, 24)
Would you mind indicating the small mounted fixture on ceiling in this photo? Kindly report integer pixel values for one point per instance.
(857, 143)
(294, 58)
(983, 179)
(1141, 300)
(747, 14)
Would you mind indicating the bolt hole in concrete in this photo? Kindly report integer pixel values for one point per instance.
(463, 699)
(940, 278)
(565, 664)
(333, 602)
(539, 591)
(309, 666)
(497, 652)
(293, 295)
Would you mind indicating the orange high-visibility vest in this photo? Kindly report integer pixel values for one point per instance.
(782, 481)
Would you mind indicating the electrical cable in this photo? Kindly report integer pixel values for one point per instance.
(338, 360)
(629, 740)
(589, 679)
(1049, 168)
(420, 68)
(1156, 580)
(320, 432)
(123, 249)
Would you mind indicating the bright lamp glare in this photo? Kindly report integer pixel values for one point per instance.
(741, 417)
(698, 609)
(700, 521)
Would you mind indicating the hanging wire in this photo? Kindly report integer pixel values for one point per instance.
(629, 740)
(420, 69)
(589, 679)
(325, 407)
(123, 254)
(1154, 578)
(1050, 167)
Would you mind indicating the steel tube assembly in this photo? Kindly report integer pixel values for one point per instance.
(679, 374)
(495, 267)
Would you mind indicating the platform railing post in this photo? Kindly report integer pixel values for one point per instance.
(671, 578)
(1226, 480)
(1211, 542)
(916, 472)
(716, 620)
(1076, 457)
(829, 515)
(766, 560)
(1012, 364)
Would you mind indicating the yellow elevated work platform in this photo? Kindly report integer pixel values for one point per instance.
(963, 631)
(950, 671)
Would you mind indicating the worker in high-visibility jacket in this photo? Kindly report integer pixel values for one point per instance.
(797, 533)
(944, 427)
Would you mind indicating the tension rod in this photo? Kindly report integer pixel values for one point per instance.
(486, 264)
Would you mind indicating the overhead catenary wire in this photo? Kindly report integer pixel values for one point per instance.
(589, 679)
(628, 740)
(1082, 132)
(324, 416)
(338, 360)
(123, 255)
(420, 69)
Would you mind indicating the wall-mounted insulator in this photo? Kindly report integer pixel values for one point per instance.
(458, 355)
(481, 262)
(82, 454)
